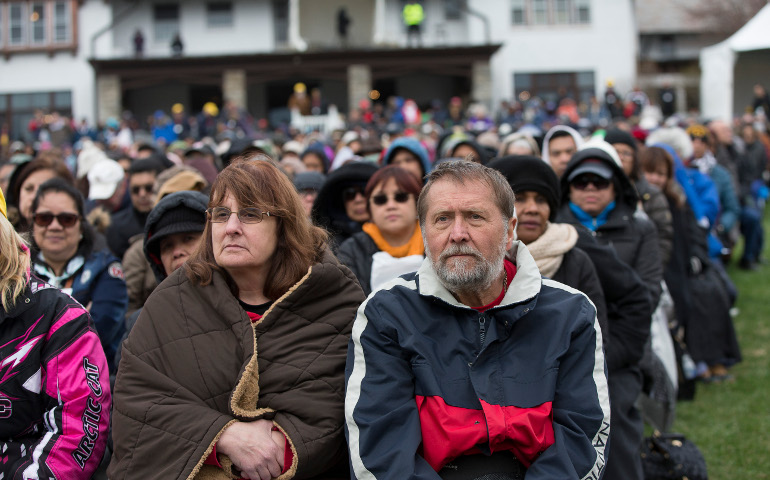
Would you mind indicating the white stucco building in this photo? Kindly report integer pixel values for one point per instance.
(79, 58)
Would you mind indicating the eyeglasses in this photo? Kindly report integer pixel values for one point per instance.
(382, 199)
(245, 215)
(66, 220)
(351, 193)
(136, 189)
(582, 182)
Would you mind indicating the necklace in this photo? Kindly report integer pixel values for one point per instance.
(505, 281)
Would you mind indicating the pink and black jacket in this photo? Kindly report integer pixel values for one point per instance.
(429, 379)
(54, 388)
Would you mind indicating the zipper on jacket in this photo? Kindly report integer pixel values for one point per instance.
(482, 330)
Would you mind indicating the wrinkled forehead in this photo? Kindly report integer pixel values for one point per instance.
(450, 194)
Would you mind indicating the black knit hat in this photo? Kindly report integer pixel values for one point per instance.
(529, 173)
(616, 135)
(179, 212)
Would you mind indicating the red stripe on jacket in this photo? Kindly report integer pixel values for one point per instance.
(449, 432)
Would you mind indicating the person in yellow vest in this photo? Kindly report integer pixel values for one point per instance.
(413, 15)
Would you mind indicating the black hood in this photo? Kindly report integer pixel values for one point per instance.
(329, 207)
(624, 190)
(195, 203)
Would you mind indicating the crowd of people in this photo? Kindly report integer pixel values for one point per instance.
(443, 295)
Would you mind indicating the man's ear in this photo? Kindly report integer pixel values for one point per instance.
(511, 237)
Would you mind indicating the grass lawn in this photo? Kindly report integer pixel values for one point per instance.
(730, 422)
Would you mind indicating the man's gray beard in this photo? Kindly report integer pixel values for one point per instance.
(464, 277)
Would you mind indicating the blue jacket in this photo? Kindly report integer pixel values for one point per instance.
(98, 283)
(429, 379)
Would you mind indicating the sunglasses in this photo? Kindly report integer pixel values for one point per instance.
(351, 193)
(582, 182)
(382, 199)
(66, 220)
(136, 189)
(245, 215)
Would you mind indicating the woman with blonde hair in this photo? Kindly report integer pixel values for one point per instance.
(236, 363)
(54, 385)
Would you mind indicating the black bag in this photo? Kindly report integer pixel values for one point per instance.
(670, 456)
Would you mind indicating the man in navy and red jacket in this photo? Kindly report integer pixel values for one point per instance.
(475, 364)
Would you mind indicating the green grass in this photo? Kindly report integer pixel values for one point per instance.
(730, 422)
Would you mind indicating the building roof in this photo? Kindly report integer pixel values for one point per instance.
(667, 16)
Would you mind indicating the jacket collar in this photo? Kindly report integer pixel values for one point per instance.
(524, 286)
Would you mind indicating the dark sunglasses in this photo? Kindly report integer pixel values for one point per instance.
(350, 193)
(583, 181)
(382, 199)
(66, 220)
(136, 189)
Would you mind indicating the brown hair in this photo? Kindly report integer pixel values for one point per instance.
(650, 159)
(300, 243)
(405, 180)
(45, 162)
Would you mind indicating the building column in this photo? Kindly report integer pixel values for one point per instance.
(359, 84)
(379, 22)
(109, 97)
(295, 39)
(481, 83)
(234, 87)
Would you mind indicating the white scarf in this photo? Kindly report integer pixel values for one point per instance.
(549, 249)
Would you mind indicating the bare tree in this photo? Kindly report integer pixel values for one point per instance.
(722, 16)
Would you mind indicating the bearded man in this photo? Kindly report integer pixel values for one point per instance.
(475, 365)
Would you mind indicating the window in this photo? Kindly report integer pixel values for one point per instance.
(219, 14)
(37, 20)
(582, 11)
(16, 33)
(61, 22)
(166, 20)
(550, 12)
(453, 9)
(554, 86)
(540, 12)
(519, 12)
(37, 25)
(561, 12)
(17, 109)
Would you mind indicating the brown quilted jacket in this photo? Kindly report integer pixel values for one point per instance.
(194, 363)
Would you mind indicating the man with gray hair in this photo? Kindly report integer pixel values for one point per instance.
(475, 364)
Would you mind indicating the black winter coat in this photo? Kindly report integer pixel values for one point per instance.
(356, 254)
(656, 207)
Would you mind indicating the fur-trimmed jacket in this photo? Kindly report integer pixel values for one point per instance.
(190, 368)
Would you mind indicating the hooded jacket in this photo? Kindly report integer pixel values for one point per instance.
(329, 206)
(574, 133)
(413, 146)
(634, 238)
(429, 379)
(194, 363)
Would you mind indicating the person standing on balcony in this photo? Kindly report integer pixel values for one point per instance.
(177, 47)
(413, 16)
(138, 43)
(343, 23)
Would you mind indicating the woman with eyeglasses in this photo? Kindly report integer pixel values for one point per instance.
(597, 195)
(235, 367)
(54, 383)
(63, 255)
(391, 242)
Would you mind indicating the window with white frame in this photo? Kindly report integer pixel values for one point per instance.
(62, 22)
(37, 25)
(17, 13)
(166, 21)
(550, 12)
(219, 14)
(519, 12)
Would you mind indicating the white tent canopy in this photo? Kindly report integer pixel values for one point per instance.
(717, 65)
